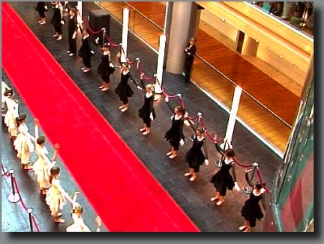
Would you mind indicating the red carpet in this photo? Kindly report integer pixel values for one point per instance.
(114, 180)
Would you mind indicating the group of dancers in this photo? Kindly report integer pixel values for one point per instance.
(46, 171)
(224, 179)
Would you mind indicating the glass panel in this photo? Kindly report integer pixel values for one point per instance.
(296, 14)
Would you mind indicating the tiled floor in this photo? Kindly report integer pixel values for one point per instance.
(193, 197)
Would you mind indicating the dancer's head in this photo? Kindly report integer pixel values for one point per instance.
(72, 11)
(125, 66)
(149, 88)
(9, 93)
(200, 131)
(85, 31)
(179, 110)
(77, 209)
(20, 119)
(40, 140)
(106, 46)
(54, 173)
(230, 153)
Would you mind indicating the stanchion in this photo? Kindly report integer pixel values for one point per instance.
(4, 170)
(13, 197)
(29, 210)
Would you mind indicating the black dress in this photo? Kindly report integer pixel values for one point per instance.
(85, 52)
(72, 28)
(56, 19)
(40, 8)
(104, 69)
(123, 89)
(175, 133)
(251, 209)
(195, 157)
(145, 111)
(223, 180)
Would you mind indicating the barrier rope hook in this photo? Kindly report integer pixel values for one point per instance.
(13, 196)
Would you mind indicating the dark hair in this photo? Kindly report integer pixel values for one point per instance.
(180, 109)
(230, 153)
(73, 10)
(258, 185)
(40, 140)
(200, 129)
(55, 170)
(106, 45)
(77, 209)
(20, 119)
(8, 93)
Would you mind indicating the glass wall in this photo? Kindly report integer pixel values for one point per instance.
(297, 14)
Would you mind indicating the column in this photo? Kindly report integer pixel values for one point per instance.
(184, 19)
(167, 26)
(250, 46)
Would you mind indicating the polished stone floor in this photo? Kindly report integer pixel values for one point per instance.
(192, 197)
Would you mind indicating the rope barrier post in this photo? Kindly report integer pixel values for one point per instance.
(103, 35)
(29, 211)
(4, 170)
(13, 196)
(125, 34)
(233, 113)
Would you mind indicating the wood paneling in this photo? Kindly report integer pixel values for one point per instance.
(253, 81)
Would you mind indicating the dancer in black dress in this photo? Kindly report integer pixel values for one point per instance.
(195, 156)
(190, 52)
(105, 68)
(85, 51)
(72, 31)
(123, 89)
(147, 112)
(222, 179)
(175, 134)
(57, 20)
(41, 8)
(251, 210)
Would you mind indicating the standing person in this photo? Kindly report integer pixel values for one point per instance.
(195, 156)
(56, 195)
(11, 114)
(123, 89)
(251, 210)
(23, 143)
(85, 51)
(57, 20)
(147, 112)
(72, 31)
(105, 68)
(41, 8)
(78, 224)
(43, 164)
(175, 134)
(222, 179)
(190, 52)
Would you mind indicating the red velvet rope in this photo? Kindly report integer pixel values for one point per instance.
(242, 165)
(110, 42)
(35, 224)
(261, 181)
(92, 31)
(3, 170)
